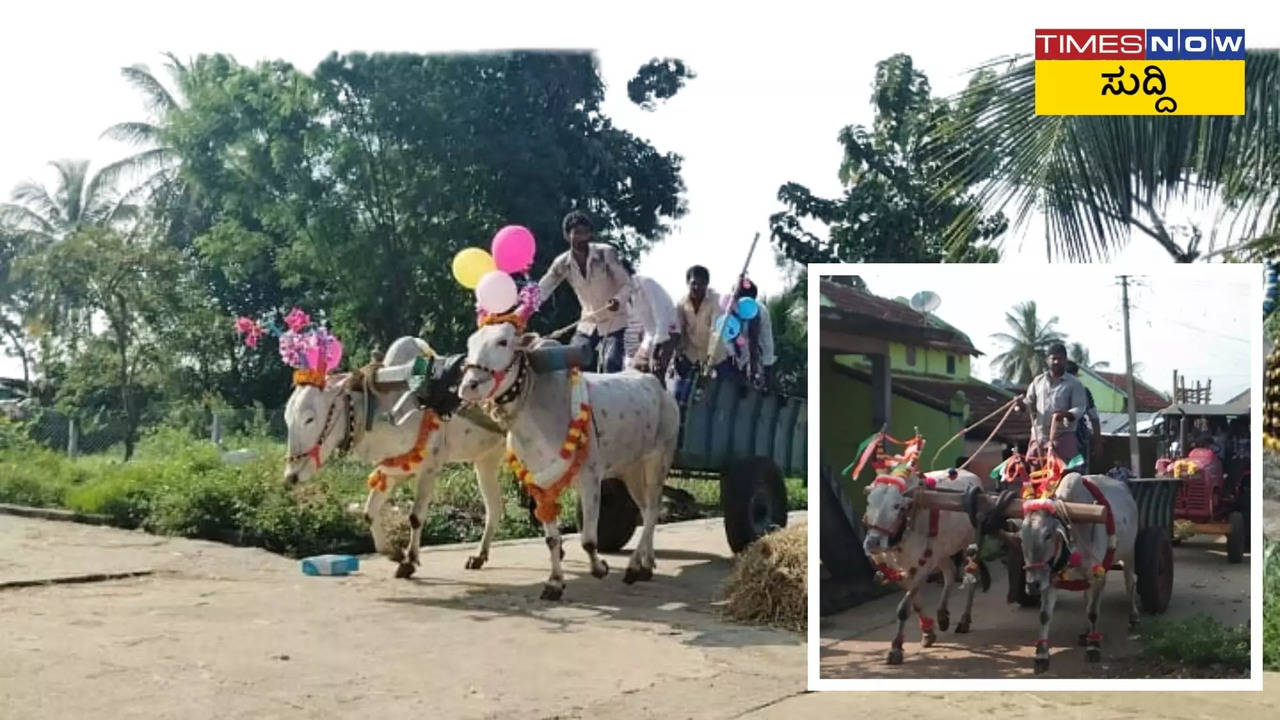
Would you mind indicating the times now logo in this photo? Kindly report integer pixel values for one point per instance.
(1140, 44)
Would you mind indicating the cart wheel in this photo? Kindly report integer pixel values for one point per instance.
(1237, 538)
(1153, 555)
(1018, 580)
(754, 499)
(618, 516)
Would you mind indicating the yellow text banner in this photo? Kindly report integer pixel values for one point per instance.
(1140, 87)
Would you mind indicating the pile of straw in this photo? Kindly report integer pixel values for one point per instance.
(767, 584)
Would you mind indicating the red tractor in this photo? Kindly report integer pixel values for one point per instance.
(1208, 450)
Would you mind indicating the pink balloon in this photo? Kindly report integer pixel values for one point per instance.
(496, 292)
(513, 249)
(332, 354)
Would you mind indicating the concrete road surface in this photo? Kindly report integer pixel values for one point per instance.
(1001, 642)
(223, 632)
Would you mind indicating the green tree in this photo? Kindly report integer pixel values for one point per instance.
(132, 283)
(788, 315)
(1027, 343)
(352, 189)
(1098, 179)
(1079, 354)
(78, 200)
(894, 208)
(15, 304)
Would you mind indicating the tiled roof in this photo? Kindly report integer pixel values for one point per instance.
(847, 302)
(1148, 399)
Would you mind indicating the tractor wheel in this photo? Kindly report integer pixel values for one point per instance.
(754, 498)
(1237, 538)
(1153, 557)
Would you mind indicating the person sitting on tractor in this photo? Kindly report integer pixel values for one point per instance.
(1055, 402)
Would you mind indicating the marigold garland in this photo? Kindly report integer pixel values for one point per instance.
(314, 377)
(574, 449)
(406, 462)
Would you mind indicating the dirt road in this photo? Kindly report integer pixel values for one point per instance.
(1001, 643)
(223, 632)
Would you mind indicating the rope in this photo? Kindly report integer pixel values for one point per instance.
(1008, 408)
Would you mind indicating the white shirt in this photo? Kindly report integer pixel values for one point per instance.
(653, 307)
(1046, 396)
(605, 279)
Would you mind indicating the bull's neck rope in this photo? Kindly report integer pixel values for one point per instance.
(348, 436)
(547, 483)
(406, 462)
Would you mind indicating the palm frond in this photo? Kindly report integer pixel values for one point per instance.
(133, 133)
(35, 198)
(145, 164)
(22, 218)
(156, 97)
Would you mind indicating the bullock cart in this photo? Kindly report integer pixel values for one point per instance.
(1153, 551)
(743, 438)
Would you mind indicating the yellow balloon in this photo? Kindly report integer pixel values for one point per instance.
(470, 265)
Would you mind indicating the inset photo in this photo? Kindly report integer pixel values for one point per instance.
(1036, 474)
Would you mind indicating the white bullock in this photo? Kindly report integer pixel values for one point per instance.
(324, 421)
(1060, 555)
(629, 431)
(908, 543)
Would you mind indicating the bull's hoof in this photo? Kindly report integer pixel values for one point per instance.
(1042, 665)
(927, 639)
(475, 562)
(637, 574)
(962, 627)
(944, 619)
(895, 656)
(1093, 654)
(405, 570)
(600, 571)
(551, 592)
(1083, 639)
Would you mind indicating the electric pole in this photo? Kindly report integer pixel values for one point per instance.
(1134, 459)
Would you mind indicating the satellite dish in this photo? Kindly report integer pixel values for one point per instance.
(925, 301)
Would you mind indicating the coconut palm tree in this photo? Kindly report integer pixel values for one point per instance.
(156, 165)
(1030, 339)
(77, 200)
(1097, 179)
(1079, 354)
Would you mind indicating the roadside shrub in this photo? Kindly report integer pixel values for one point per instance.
(1197, 641)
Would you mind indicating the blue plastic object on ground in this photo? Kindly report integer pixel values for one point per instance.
(330, 564)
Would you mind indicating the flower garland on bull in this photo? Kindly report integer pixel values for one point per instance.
(546, 484)
(313, 352)
(897, 470)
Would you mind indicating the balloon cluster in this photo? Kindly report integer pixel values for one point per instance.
(303, 345)
(1273, 292)
(490, 274)
(736, 314)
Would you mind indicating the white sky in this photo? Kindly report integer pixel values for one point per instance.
(1195, 319)
(774, 85)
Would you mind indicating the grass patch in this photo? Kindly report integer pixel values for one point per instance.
(1198, 641)
(178, 485)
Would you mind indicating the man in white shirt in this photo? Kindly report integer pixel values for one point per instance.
(655, 311)
(601, 283)
(1056, 401)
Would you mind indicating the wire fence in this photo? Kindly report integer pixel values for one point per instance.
(83, 434)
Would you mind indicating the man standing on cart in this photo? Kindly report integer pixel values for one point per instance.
(1056, 402)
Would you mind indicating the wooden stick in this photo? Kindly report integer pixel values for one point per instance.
(954, 502)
